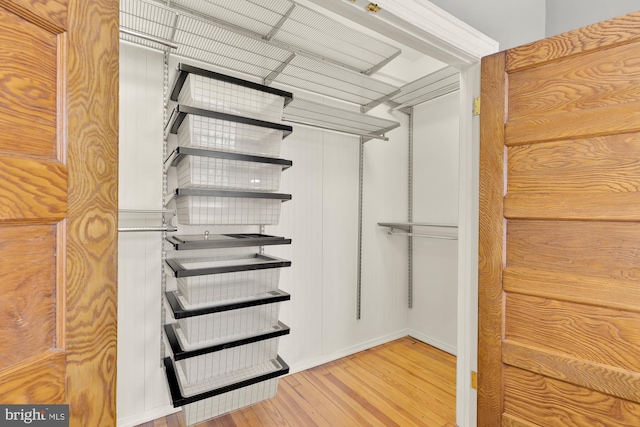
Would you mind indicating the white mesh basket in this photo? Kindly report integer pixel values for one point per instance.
(208, 172)
(217, 134)
(214, 210)
(226, 324)
(221, 362)
(225, 97)
(220, 287)
(202, 410)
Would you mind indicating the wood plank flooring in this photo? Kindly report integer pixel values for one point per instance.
(402, 383)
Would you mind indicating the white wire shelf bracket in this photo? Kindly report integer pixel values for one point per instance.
(144, 220)
(309, 113)
(431, 86)
(407, 229)
(277, 41)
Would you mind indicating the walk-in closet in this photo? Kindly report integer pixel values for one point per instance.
(297, 184)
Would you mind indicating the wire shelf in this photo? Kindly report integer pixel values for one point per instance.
(431, 86)
(279, 41)
(311, 113)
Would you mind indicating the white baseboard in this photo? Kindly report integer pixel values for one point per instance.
(433, 342)
(307, 364)
(153, 414)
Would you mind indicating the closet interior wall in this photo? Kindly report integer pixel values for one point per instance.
(321, 220)
(434, 316)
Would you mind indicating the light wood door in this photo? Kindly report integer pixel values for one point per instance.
(559, 284)
(58, 205)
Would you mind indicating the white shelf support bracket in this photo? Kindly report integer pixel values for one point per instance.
(275, 73)
(381, 64)
(174, 28)
(382, 100)
(148, 37)
(280, 23)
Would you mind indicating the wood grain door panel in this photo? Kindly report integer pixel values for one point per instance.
(58, 205)
(559, 278)
(28, 80)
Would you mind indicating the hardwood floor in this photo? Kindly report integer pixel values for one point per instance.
(401, 383)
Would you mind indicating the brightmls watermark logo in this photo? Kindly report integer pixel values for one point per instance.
(34, 415)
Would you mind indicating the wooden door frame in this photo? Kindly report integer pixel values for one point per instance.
(432, 31)
(92, 64)
(495, 68)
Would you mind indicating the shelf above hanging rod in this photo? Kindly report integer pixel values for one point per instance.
(431, 86)
(309, 113)
(310, 51)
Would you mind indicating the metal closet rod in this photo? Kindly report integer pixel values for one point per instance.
(407, 229)
(428, 236)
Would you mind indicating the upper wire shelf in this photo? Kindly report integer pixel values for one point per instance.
(302, 111)
(276, 41)
(431, 86)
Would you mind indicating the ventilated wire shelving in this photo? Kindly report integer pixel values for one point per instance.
(276, 41)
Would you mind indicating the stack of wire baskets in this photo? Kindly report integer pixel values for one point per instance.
(224, 341)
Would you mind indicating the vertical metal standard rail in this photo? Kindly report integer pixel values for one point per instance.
(360, 194)
(410, 215)
(165, 189)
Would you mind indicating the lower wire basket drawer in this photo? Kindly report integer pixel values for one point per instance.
(216, 396)
(219, 357)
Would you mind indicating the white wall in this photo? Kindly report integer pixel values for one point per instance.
(433, 318)
(566, 15)
(141, 387)
(510, 23)
(322, 220)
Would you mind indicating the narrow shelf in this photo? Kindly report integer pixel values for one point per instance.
(184, 70)
(223, 384)
(182, 310)
(302, 111)
(218, 241)
(188, 267)
(180, 353)
(180, 112)
(141, 220)
(180, 153)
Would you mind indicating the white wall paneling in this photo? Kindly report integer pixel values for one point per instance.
(142, 392)
(433, 318)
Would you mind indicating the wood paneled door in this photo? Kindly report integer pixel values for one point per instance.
(58, 205)
(559, 288)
